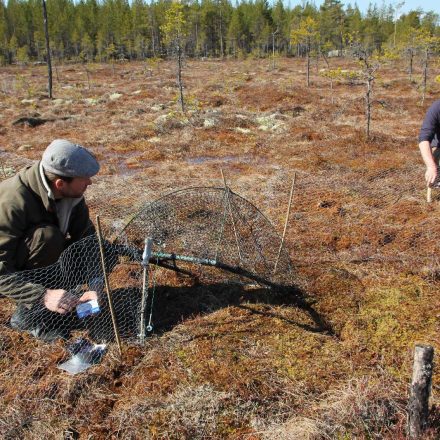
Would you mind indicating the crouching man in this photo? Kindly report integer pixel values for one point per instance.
(42, 212)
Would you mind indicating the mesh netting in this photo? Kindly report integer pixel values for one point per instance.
(214, 225)
(198, 235)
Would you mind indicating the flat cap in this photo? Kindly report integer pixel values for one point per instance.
(67, 159)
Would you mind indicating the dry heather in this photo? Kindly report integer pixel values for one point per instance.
(226, 361)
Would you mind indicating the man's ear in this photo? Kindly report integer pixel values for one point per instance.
(59, 184)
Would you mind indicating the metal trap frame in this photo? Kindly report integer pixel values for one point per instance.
(244, 245)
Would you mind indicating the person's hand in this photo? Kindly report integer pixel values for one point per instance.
(59, 300)
(430, 175)
(62, 301)
(89, 295)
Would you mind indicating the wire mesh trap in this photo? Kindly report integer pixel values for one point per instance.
(196, 235)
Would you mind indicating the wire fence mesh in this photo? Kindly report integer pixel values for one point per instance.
(369, 220)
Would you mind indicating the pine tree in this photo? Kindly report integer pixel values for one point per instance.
(331, 24)
(175, 31)
(306, 36)
(140, 28)
(428, 44)
(3, 35)
(87, 48)
(280, 21)
(234, 35)
(261, 26)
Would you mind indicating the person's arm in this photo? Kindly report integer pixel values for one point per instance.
(428, 158)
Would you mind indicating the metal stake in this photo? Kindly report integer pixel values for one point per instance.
(285, 224)
(107, 287)
(148, 247)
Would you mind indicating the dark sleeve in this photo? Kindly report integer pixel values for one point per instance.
(12, 227)
(80, 224)
(431, 124)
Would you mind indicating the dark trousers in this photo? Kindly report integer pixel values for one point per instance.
(40, 247)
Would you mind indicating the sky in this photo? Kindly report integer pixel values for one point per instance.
(425, 5)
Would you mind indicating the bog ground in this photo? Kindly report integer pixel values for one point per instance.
(228, 361)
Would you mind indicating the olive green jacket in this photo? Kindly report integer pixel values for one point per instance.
(25, 204)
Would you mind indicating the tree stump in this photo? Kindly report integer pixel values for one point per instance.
(420, 390)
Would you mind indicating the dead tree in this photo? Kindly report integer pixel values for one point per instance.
(369, 67)
(49, 63)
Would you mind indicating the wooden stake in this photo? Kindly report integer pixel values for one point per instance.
(107, 287)
(285, 224)
(232, 215)
(429, 194)
(420, 391)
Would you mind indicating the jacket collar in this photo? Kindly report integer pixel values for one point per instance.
(45, 182)
(33, 179)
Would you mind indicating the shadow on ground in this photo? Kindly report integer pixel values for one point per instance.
(171, 306)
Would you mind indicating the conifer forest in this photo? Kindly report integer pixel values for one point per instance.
(91, 30)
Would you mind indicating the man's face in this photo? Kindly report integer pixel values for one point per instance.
(75, 188)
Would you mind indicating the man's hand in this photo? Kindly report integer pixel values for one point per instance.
(431, 175)
(430, 162)
(61, 301)
(89, 295)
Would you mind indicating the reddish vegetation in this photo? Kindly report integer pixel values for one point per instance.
(229, 362)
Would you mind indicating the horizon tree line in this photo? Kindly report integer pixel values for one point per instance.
(92, 30)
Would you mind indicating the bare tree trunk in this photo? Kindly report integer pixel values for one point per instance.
(325, 58)
(410, 69)
(331, 90)
(88, 77)
(341, 39)
(49, 63)
(197, 41)
(308, 67)
(179, 77)
(425, 74)
(317, 61)
(153, 46)
(368, 104)
(222, 54)
(273, 50)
